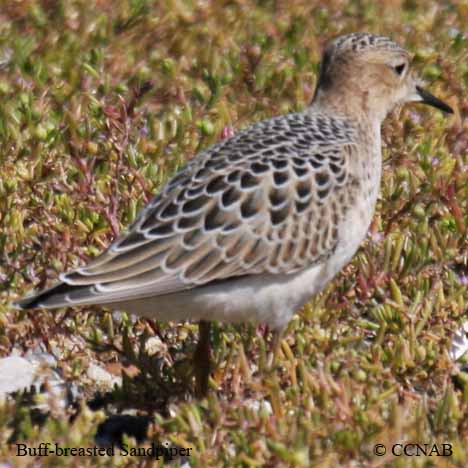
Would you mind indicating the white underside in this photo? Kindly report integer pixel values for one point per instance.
(268, 299)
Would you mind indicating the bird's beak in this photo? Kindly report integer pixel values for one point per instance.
(427, 98)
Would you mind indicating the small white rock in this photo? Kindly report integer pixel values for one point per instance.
(16, 374)
(459, 343)
(262, 405)
(154, 345)
(103, 378)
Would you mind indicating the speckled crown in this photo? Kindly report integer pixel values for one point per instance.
(357, 42)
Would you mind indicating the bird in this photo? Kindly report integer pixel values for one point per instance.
(258, 223)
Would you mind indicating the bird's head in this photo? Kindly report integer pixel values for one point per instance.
(369, 74)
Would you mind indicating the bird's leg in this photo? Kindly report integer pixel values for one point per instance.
(202, 358)
(275, 347)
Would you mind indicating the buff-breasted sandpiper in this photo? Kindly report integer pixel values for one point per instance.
(255, 225)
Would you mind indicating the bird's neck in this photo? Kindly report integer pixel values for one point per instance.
(354, 104)
(368, 135)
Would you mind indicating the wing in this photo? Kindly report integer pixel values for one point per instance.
(268, 199)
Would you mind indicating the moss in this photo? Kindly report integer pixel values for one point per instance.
(103, 100)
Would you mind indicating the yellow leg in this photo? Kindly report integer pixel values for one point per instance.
(275, 348)
(202, 358)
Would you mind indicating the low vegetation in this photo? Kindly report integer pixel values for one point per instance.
(101, 101)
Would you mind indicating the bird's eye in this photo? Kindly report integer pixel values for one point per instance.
(400, 68)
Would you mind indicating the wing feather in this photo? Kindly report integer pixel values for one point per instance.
(264, 201)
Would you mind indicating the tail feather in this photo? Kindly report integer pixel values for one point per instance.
(70, 295)
(50, 298)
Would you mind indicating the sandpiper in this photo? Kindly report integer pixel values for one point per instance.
(255, 225)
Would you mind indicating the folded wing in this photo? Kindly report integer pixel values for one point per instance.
(268, 200)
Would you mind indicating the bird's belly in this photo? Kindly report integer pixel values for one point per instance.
(270, 299)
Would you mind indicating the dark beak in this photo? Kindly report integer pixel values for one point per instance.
(428, 98)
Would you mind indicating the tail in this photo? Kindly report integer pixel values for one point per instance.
(64, 294)
(57, 296)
